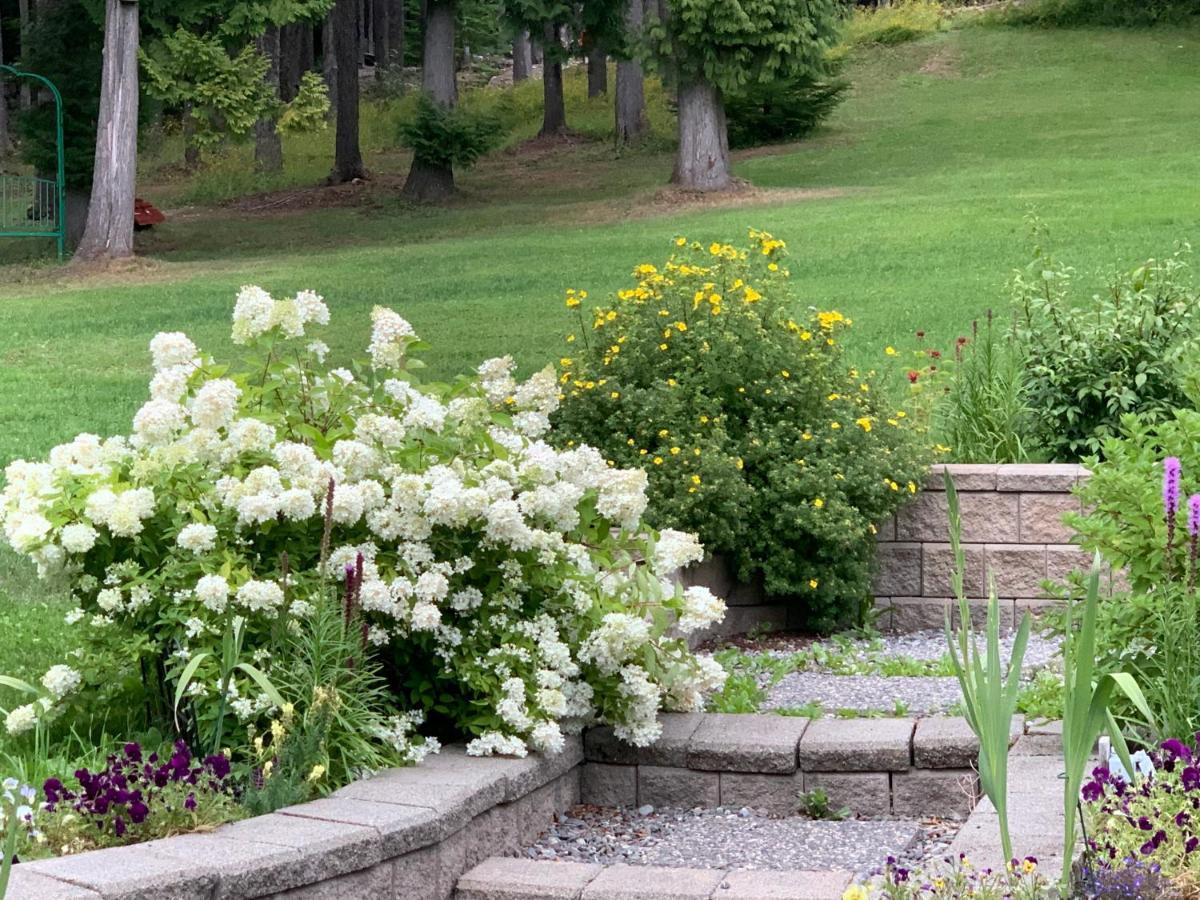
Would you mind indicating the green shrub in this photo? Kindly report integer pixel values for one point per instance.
(780, 111)
(985, 416)
(752, 426)
(448, 137)
(903, 21)
(1121, 352)
(1099, 12)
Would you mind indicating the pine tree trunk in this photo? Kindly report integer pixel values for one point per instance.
(191, 150)
(268, 149)
(438, 78)
(23, 21)
(347, 157)
(702, 163)
(597, 62)
(554, 110)
(109, 230)
(535, 52)
(5, 141)
(329, 57)
(522, 53)
(430, 183)
(292, 41)
(630, 106)
(379, 34)
(396, 34)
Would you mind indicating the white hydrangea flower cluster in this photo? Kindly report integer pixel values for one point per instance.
(479, 554)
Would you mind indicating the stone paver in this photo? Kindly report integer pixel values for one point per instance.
(653, 883)
(401, 828)
(746, 743)
(24, 884)
(608, 785)
(671, 748)
(778, 794)
(501, 878)
(946, 793)
(669, 786)
(246, 868)
(947, 742)
(856, 745)
(129, 873)
(747, 885)
(326, 849)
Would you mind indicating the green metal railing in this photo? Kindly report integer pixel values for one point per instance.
(37, 207)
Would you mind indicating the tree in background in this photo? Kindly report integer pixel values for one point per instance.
(5, 140)
(630, 104)
(431, 176)
(347, 156)
(108, 234)
(708, 51)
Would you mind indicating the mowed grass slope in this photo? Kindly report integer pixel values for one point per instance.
(922, 181)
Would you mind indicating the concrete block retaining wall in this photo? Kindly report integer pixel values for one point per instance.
(873, 767)
(1012, 518)
(1012, 531)
(407, 834)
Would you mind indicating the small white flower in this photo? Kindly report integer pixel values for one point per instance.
(197, 538)
(61, 680)
(78, 538)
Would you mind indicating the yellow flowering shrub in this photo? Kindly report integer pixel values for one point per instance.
(754, 429)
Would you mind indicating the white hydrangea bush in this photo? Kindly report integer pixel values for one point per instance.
(509, 589)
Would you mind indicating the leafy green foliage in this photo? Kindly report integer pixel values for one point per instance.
(989, 693)
(1042, 697)
(732, 45)
(448, 137)
(815, 804)
(986, 416)
(786, 110)
(902, 21)
(1099, 12)
(754, 430)
(1123, 354)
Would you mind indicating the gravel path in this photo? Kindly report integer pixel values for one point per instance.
(919, 694)
(735, 838)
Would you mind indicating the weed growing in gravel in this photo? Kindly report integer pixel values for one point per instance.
(810, 710)
(1041, 697)
(815, 804)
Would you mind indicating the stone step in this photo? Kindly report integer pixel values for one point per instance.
(505, 878)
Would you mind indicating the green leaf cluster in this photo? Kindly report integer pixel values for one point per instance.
(450, 137)
(754, 430)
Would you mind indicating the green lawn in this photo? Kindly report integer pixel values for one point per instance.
(924, 177)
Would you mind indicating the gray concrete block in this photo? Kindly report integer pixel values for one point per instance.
(500, 878)
(516, 777)
(129, 873)
(897, 570)
(401, 828)
(746, 884)
(1017, 569)
(857, 745)
(247, 868)
(608, 785)
(653, 883)
(862, 793)
(1039, 477)
(25, 884)
(937, 568)
(1042, 518)
(746, 743)
(947, 742)
(777, 794)
(669, 786)
(966, 476)
(431, 872)
(454, 802)
(374, 883)
(601, 745)
(326, 849)
(945, 793)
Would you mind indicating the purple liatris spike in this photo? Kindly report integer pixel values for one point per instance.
(1193, 526)
(1171, 473)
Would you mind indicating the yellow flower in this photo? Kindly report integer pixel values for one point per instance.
(912, 488)
(316, 773)
(940, 448)
(666, 332)
(812, 583)
(643, 452)
(786, 374)
(674, 451)
(616, 395)
(572, 302)
(751, 295)
(819, 503)
(610, 315)
(630, 442)
(889, 350)
(874, 530)
(806, 335)
(835, 425)
(774, 267)
(658, 460)
(828, 319)
(671, 382)
(645, 269)
(1028, 866)
(566, 362)
(704, 420)
(695, 479)
(740, 463)
(863, 422)
(662, 347)
(680, 241)
(570, 338)
(806, 436)
(714, 248)
(663, 433)
(833, 397)
(682, 326)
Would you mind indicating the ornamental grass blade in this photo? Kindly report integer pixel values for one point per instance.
(185, 679)
(17, 684)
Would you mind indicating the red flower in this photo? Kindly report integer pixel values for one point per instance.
(935, 354)
(913, 375)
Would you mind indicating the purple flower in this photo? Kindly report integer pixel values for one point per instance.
(133, 752)
(1191, 844)
(1190, 778)
(1172, 470)
(218, 765)
(1177, 749)
(190, 803)
(1194, 515)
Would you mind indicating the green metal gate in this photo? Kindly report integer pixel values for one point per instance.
(31, 206)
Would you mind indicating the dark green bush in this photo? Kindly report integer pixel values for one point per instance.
(1101, 12)
(781, 111)
(448, 137)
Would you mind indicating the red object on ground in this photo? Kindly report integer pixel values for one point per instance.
(146, 214)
